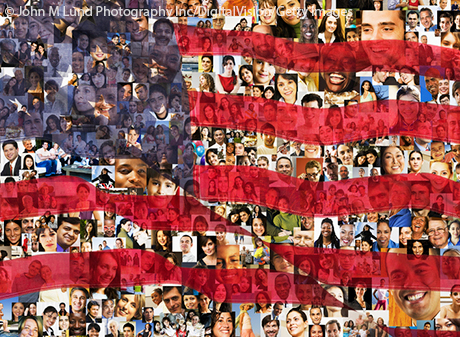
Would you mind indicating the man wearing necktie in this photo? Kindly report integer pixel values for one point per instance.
(10, 150)
(277, 310)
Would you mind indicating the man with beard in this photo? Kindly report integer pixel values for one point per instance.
(270, 327)
(432, 77)
(263, 44)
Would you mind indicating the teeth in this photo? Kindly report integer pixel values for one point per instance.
(415, 297)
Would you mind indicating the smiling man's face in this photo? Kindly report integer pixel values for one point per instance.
(417, 285)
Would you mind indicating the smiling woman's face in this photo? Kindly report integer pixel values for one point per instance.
(288, 11)
(126, 307)
(338, 81)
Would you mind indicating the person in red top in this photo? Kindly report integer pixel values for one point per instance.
(228, 81)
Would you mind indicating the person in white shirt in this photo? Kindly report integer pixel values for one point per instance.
(45, 159)
(267, 134)
(186, 244)
(79, 146)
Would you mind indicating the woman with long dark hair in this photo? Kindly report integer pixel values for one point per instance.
(327, 238)
(209, 248)
(286, 88)
(330, 29)
(288, 22)
(368, 94)
(170, 271)
(246, 75)
(227, 83)
(105, 273)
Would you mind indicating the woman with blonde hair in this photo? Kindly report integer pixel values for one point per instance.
(244, 321)
(207, 83)
(130, 307)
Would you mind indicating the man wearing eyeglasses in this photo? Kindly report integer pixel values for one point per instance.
(438, 233)
(312, 172)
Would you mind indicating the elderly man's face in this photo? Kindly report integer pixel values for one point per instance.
(218, 21)
(438, 233)
(432, 85)
(416, 283)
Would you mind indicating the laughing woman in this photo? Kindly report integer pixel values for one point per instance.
(222, 324)
(393, 161)
(286, 88)
(309, 30)
(296, 322)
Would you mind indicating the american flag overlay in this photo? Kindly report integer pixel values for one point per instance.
(229, 168)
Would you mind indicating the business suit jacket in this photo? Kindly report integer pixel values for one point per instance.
(16, 168)
(425, 52)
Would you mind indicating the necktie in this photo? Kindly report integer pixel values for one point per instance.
(54, 72)
(11, 169)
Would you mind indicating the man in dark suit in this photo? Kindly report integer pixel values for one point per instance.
(425, 52)
(10, 150)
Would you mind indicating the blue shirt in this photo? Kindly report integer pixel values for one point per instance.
(391, 244)
(401, 219)
(450, 244)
